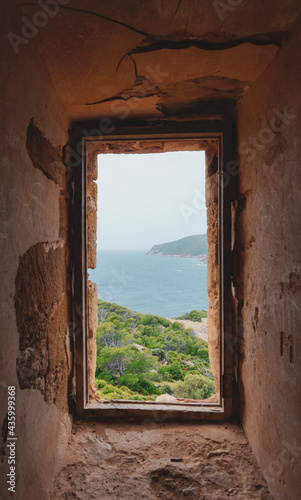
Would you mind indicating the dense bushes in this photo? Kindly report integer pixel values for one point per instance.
(194, 315)
(141, 356)
(194, 387)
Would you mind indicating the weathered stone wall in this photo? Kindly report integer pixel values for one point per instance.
(212, 260)
(92, 216)
(268, 278)
(35, 257)
(92, 173)
(92, 348)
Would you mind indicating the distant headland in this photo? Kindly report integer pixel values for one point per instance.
(194, 246)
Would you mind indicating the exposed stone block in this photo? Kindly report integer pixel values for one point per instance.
(212, 189)
(92, 193)
(92, 223)
(212, 260)
(92, 162)
(44, 155)
(212, 225)
(93, 322)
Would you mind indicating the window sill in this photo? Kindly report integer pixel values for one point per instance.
(159, 412)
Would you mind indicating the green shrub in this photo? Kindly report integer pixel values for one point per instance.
(195, 387)
(203, 353)
(194, 315)
(129, 380)
(166, 389)
(178, 326)
(153, 320)
(175, 370)
(159, 353)
(100, 384)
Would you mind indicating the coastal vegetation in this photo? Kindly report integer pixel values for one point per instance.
(194, 315)
(141, 356)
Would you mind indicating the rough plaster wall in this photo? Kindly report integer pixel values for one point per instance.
(33, 211)
(41, 304)
(268, 281)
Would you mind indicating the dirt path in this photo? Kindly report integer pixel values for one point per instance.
(199, 329)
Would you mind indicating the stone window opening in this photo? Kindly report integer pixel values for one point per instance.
(87, 404)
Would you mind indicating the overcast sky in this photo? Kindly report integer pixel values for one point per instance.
(144, 200)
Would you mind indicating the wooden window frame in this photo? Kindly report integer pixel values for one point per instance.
(159, 412)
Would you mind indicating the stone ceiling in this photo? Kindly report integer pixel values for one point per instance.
(158, 57)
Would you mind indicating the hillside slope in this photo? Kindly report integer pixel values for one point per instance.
(190, 246)
(143, 356)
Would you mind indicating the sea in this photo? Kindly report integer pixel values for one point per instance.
(151, 284)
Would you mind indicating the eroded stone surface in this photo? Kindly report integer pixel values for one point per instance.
(92, 223)
(44, 156)
(217, 476)
(93, 322)
(93, 446)
(42, 317)
(135, 461)
(212, 262)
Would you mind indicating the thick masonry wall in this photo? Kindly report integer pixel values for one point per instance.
(92, 173)
(35, 258)
(212, 260)
(268, 281)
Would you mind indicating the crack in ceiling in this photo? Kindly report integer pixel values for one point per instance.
(178, 6)
(203, 44)
(121, 97)
(89, 12)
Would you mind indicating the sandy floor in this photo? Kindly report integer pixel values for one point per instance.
(159, 461)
